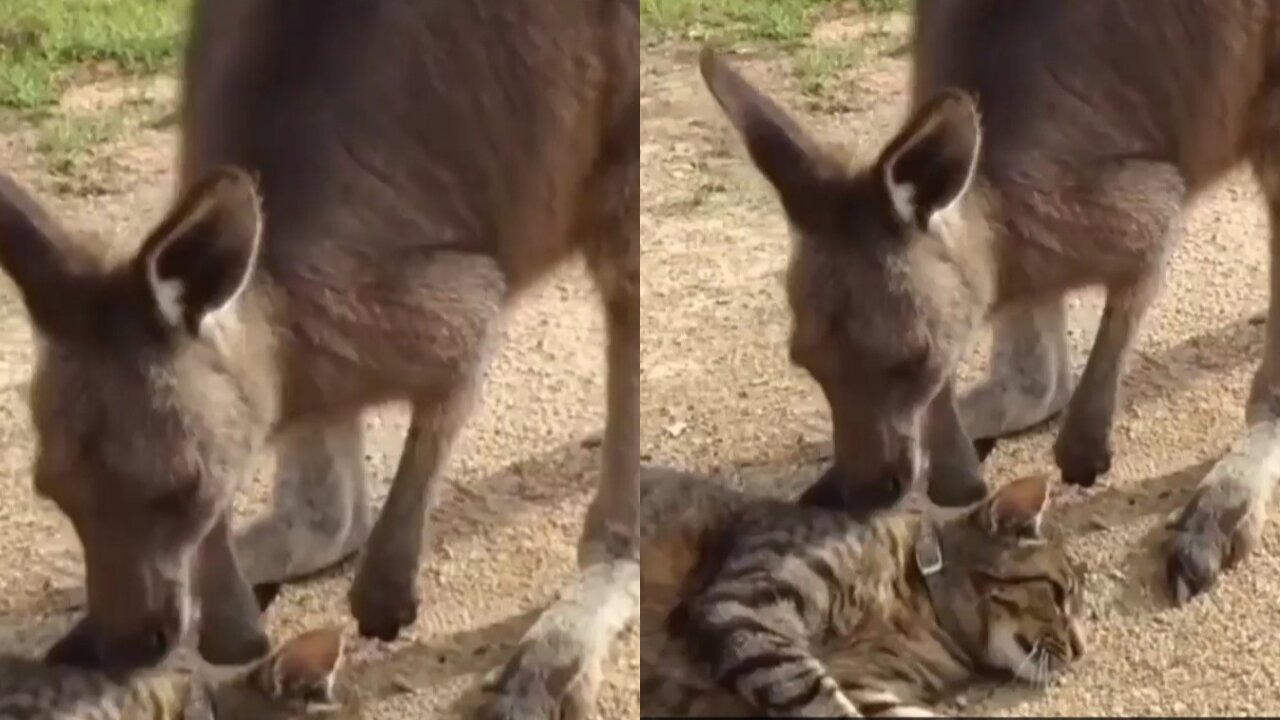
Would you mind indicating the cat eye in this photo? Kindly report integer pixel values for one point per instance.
(1027, 646)
(1060, 593)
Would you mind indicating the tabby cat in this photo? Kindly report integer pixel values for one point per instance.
(294, 681)
(795, 611)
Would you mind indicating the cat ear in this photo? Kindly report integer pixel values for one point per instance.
(304, 668)
(1016, 509)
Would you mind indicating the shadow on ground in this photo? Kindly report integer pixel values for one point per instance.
(1138, 587)
(505, 497)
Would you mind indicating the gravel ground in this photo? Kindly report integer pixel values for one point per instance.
(721, 398)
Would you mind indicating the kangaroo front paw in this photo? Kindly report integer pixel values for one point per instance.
(1083, 455)
(382, 605)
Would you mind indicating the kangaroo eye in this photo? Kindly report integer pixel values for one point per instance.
(908, 368)
(175, 499)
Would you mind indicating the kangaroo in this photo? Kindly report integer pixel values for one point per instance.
(1048, 146)
(365, 189)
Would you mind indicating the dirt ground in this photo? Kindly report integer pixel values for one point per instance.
(506, 528)
(720, 396)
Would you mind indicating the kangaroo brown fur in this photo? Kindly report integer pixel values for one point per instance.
(365, 188)
(1049, 146)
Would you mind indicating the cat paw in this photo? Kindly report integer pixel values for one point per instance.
(546, 679)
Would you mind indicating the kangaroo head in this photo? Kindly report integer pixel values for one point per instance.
(144, 415)
(884, 290)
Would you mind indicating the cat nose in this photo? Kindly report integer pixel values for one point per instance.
(1077, 641)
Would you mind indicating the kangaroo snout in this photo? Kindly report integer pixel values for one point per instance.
(88, 645)
(838, 490)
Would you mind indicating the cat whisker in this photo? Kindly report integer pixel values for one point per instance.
(1021, 670)
(1039, 657)
(1046, 669)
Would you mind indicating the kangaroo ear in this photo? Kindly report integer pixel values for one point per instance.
(1016, 510)
(200, 258)
(930, 164)
(782, 151)
(37, 256)
(303, 669)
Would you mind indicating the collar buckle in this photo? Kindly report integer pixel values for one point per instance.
(928, 550)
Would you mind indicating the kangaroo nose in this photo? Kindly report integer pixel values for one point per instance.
(898, 477)
(84, 647)
(149, 646)
(827, 491)
(836, 490)
(152, 642)
(895, 481)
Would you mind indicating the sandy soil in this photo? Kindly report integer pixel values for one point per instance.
(720, 397)
(505, 531)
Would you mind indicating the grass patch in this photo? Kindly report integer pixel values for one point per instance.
(78, 148)
(815, 67)
(45, 43)
(67, 141)
(778, 21)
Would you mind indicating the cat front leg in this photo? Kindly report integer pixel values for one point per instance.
(760, 656)
(878, 702)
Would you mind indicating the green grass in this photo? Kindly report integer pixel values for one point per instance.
(66, 141)
(72, 144)
(44, 43)
(779, 21)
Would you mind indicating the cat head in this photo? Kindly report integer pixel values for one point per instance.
(294, 681)
(1013, 590)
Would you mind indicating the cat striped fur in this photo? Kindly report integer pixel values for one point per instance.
(792, 611)
(296, 680)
